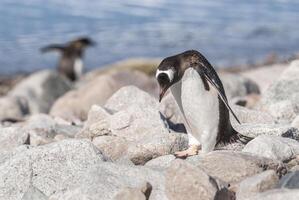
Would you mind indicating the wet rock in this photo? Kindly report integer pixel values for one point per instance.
(233, 167)
(273, 147)
(41, 89)
(281, 98)
(290, 180)
(256, 129)
(185, 181)
(277, 194)
(161, 163)
(75, 104)
(12, 137)
(257, 183)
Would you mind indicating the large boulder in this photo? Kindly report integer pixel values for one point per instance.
(41, 89)
(60, 169)
(281, 98)
(233, 167)
(187, 182)
(134, 125)
(75, 104)
(273, 147)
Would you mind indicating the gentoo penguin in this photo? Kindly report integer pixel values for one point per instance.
(70, 64)
(200, 95)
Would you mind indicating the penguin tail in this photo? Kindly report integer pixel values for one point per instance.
(52, 47)
(243, 138)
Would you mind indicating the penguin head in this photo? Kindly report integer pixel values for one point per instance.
(167, 74)
(82, 43)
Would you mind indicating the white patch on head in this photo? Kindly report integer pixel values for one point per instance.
(168, 72)
(78, 67)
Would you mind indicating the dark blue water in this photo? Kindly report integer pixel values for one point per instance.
(226, 31)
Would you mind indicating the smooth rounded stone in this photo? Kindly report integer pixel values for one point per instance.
(233, 167)
(236, 85)
(75, 104)
(13, 108)
(290, 180)
(281, 98)
(185, 181)
(41, 89)
(276, 194)
(246, 115)
(34, 194)
(128, 96)
(256, 129)
(161, 162)
(12, 137)
(273, 147)
(112, 146)
(257, 183)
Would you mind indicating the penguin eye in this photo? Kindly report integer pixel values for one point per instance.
(163, 79)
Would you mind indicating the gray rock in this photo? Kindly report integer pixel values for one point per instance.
(257, 183)
(43, 129)
(135, 193)
(12, 137)
(295, 122)
(112, 146)
(281, 98)
(185, 181)
(277, 194)
(236, 85)
(13, 108)
(233, 167)
(41, 89)
(138, 122)
(75, 194)
(34, 194)
(161, 162)
(290, 180)
(273, 147)
(254, 130)
(246, 115)
(48, 168)
(96, 91)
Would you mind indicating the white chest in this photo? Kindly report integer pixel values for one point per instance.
(199, 106)
(78, 67)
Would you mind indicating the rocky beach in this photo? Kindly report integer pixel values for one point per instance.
(107, 137)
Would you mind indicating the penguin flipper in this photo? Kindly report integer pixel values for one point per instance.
(213, 79)
(52, 47)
